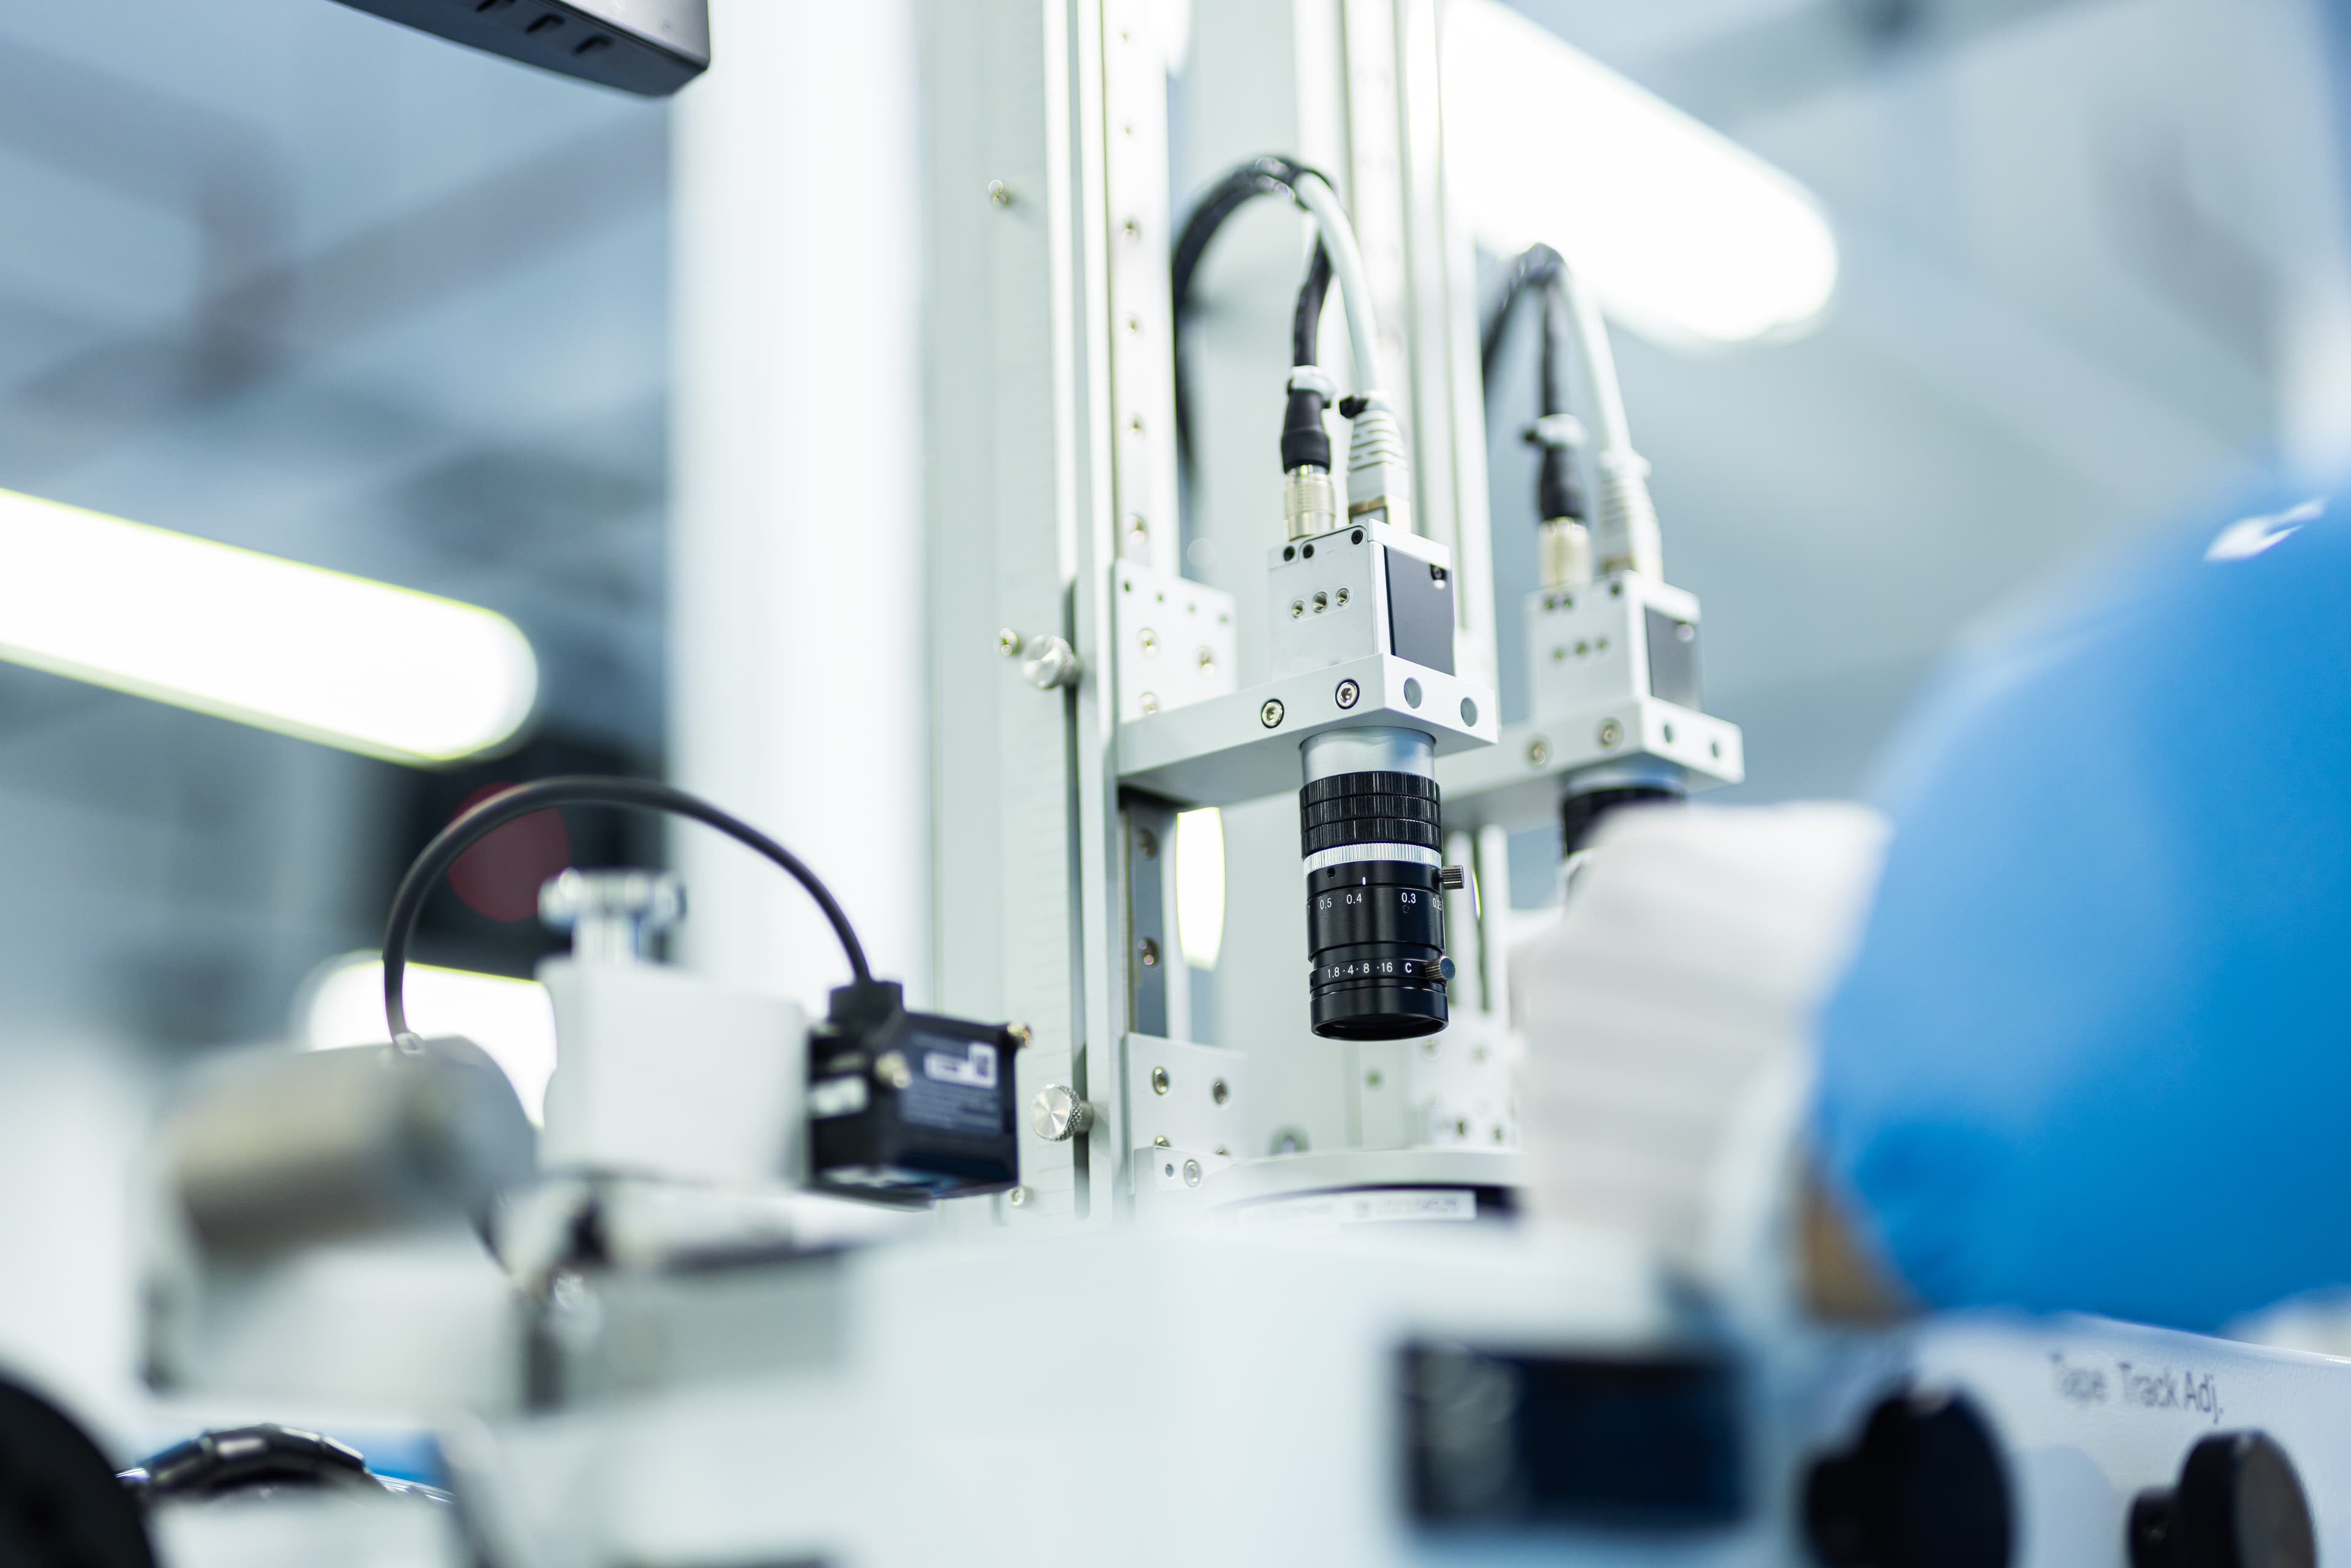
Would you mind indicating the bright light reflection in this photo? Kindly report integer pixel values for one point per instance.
(1200, 886)
(512, 1020)
(1682, 233)
(241, 635)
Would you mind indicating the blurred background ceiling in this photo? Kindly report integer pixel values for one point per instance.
(280, 274)
(2093, 277)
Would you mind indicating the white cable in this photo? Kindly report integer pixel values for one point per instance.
(1625, 534)
(1599, 364)
(1347, 269)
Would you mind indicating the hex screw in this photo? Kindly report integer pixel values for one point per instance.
(999, 192)
(1159, 1081)
(1347, 694)
(1018, 1197)
(1007, 643)
(1147, 951)
(1538, 752)
(1611, 733)
(1270, 713)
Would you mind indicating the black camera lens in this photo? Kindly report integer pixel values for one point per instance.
(1372, 836)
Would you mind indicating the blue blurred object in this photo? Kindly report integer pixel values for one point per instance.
(2095, 1053)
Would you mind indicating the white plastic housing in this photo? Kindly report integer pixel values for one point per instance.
(660, 1073)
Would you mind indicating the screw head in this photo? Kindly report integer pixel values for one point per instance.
(1611, 734)
(1159, 1081)
(1191, 1172)
(1148, 702)
(1147, 953)
(1018, 1197)
(1270, 713)
(890, 1069)
(1147, 844)
(1538, 752)
(1208, 657)
(1007, 643)
(999, 192)
(1019, 1034)
(1347, 694)
(1218, 1092)
(1148, 640)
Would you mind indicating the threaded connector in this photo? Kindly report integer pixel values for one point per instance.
(1379, 473)
(1563, 547)
(1626, 532)
(1310, 502)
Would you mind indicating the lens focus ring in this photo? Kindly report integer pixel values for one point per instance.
(1375, 923)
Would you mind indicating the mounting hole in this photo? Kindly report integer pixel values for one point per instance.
(1468, 712)
(1289, 552)
(1310, 552)
(1356, 538)
(1410, 693)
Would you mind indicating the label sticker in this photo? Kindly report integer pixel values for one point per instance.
(959, 1091)
(974, 1070)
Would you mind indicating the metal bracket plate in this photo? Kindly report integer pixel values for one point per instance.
(1193, 1096)
(1516, 784)
(1176, 642)
(1224, 750)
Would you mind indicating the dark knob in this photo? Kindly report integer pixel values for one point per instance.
(1924, 1486)
(2238, 1504)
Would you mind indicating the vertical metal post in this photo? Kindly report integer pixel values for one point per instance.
(1015, 375)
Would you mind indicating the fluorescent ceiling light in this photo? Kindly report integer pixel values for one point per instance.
(1200, 886)
(231, 632)
(512, 1020)
(1683, 234)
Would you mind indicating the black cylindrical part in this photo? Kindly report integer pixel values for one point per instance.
(1374, 904)
(1581, 811)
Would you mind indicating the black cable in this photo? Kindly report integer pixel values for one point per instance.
(1306, 320)
(471, 827)
(1558, 491)
(1538, 265)
(1272, 175)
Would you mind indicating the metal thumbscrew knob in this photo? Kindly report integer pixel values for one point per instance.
(1049, 661)
(1057, 1115)
(1452, 878)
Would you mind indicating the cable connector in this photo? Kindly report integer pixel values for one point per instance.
(1626, 531)
(1379, 475)
(1563, 548)
(1557, 433)
(1310, 502)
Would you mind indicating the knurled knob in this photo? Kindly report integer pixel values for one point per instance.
(2238, 1504)
(1057, 1115)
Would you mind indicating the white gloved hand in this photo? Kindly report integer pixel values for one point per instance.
(1667, 1019)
